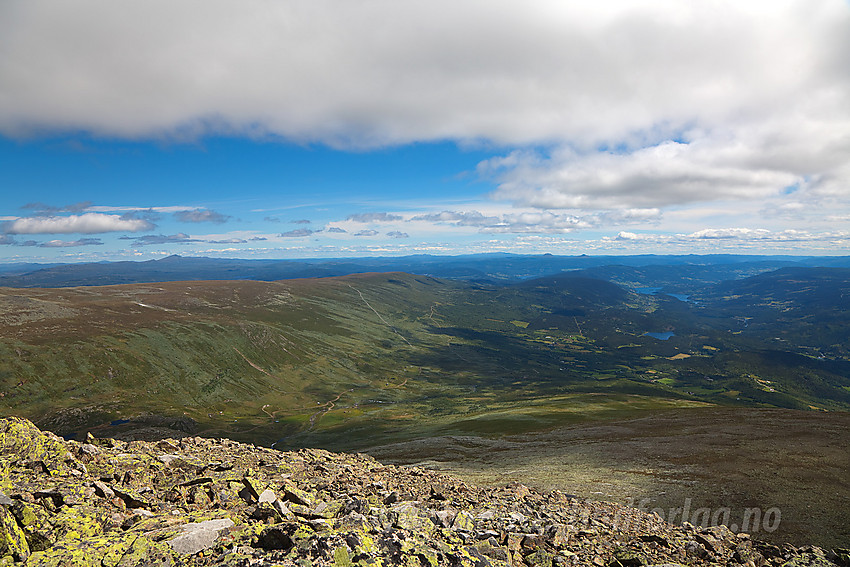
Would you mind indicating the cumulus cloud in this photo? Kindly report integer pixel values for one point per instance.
(160, 239)
(545, 69)
(201, 215)
(373, 217)
(627, 105)
(625, 235)
(228, 241)
(87, 223)
(458, 218)
(72, 243)
(6, 239)
(537, 221)
(670, 173)
(728, 238)
(727, 233)
(337, 229)
(366, 233)
(622, 216)
(298, 232)
(398, 234)
(301, 221)
(762, 234)
(272, 219)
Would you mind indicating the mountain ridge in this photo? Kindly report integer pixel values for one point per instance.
(488, 267)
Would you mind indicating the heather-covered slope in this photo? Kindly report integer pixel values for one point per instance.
(304, 361)
(361, 360)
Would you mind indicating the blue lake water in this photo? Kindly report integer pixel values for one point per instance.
(660, 336)
(654, 291)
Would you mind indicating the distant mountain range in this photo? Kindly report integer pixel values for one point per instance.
(677, 271)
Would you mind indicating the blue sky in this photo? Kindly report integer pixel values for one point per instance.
(332, 129)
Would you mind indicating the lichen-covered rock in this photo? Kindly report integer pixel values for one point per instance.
(464, 521)
(24, 443)
(812, 557)
(411, 517)
(201, 502)
(13, 542)
(120, 549)
(199, 536)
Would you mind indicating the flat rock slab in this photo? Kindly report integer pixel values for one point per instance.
(267, 495)
(199, 536)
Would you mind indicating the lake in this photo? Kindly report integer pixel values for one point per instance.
(660, 336)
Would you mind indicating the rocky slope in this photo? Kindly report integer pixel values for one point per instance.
(198, 501)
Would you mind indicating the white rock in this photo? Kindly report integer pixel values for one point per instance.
(268, 495)
(168, 458)
(200, 536)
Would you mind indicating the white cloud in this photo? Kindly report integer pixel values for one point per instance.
(787, 210)
(627, 105)
(87, 223)
(131, 209)
(298, 233)
(537, 222)
(625, 235)
(458, 218)
(761, 234)
(160, 239)
(496, 69)
(728, 233)
(534, 221)
(50, 209)
(670, 173)
(70, 244)
(201, 215)
(373, 217)
(727, 239)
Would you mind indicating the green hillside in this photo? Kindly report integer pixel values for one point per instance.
(361, 360)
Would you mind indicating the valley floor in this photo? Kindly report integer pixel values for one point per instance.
(793, 462)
